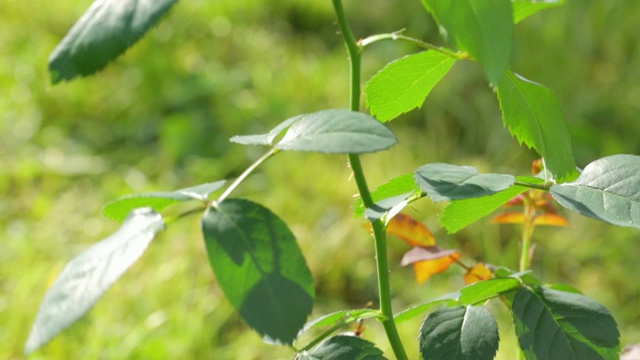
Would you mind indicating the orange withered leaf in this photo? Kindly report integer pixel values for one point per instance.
(410, 231)
(425, 269)
(550, 219)
(478, 273)
(508, 218)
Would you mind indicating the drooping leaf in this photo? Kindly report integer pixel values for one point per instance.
(484, 29)
(550, 219)
(552, 324)
(426, 269)
(343, 347)
(533, 115)
(488, 289)
(511, 217)
(461, 213)
(400, 187)
(404, 84)
(608, 189)
(459, 333)
(410, 230)
(260, 267)
(338, 132)
(89, 275)
(420, 253)
(444, 182)
(479, 272)
(522, 9)
(105, 30)
(267, 138)
(119, 208)
(417, 310)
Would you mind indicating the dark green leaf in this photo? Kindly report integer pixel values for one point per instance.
(88, 276)
(608, 189)
(488, 289)
(343, 347)
(119, 208)
(398, 188)
(268, 138)
(459, 333)
(552, 324)
(533, 115)
(259, 267)
(404, 84)
(484, 29)
(444, 182)
(103, 32)
(522, 9)
(461, 213)
(338, 132)
(448, 300)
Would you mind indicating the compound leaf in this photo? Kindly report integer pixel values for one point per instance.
(533, 115)
(444, 182)
(608, 189)
(553, 324)
(260, 267)
(484, 29)
(88, 276)
(103, 32)
(119, 208)
(337, 131)
(404, 84)
(459, 333)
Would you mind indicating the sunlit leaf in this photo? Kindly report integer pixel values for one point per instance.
(417, 310)
(411, 231)
(343, 317)
(508, 218)
(522, 9)
(268, 138)
(104, 32)
(404, 84)
(444, 182)
(426, 269)
(479, 272)
(533, 115)
(553, 324)
(119, 208)
(460, 333)
(484, 29)
(260, 267)
(399, 187)
(420, 253)
(550, 219)
(608, 189)
(487, 289)
(338, 132)
(89, 275)
(343, 347)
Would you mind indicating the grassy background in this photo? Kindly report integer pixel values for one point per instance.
(159, 119)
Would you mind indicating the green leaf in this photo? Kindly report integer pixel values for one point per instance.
(444, 182)
(460, 333)
(552, 324)
(89, 275)
(404, 84)
(342, 317)
(533, 115)
(260, 267)
(484, 29)
(343, 347)
(410, 313)
(337, 132)
(268, 138)
(522, 9)
(487, 289)
(608, 189)
(461, 213)
(119, 208)
(103, 32)
(398, 189)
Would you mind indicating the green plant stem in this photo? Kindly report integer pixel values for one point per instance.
(244, 175)
(458, 55)
(379, 235)
(527, 235)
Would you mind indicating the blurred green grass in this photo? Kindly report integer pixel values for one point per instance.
(159, 119)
